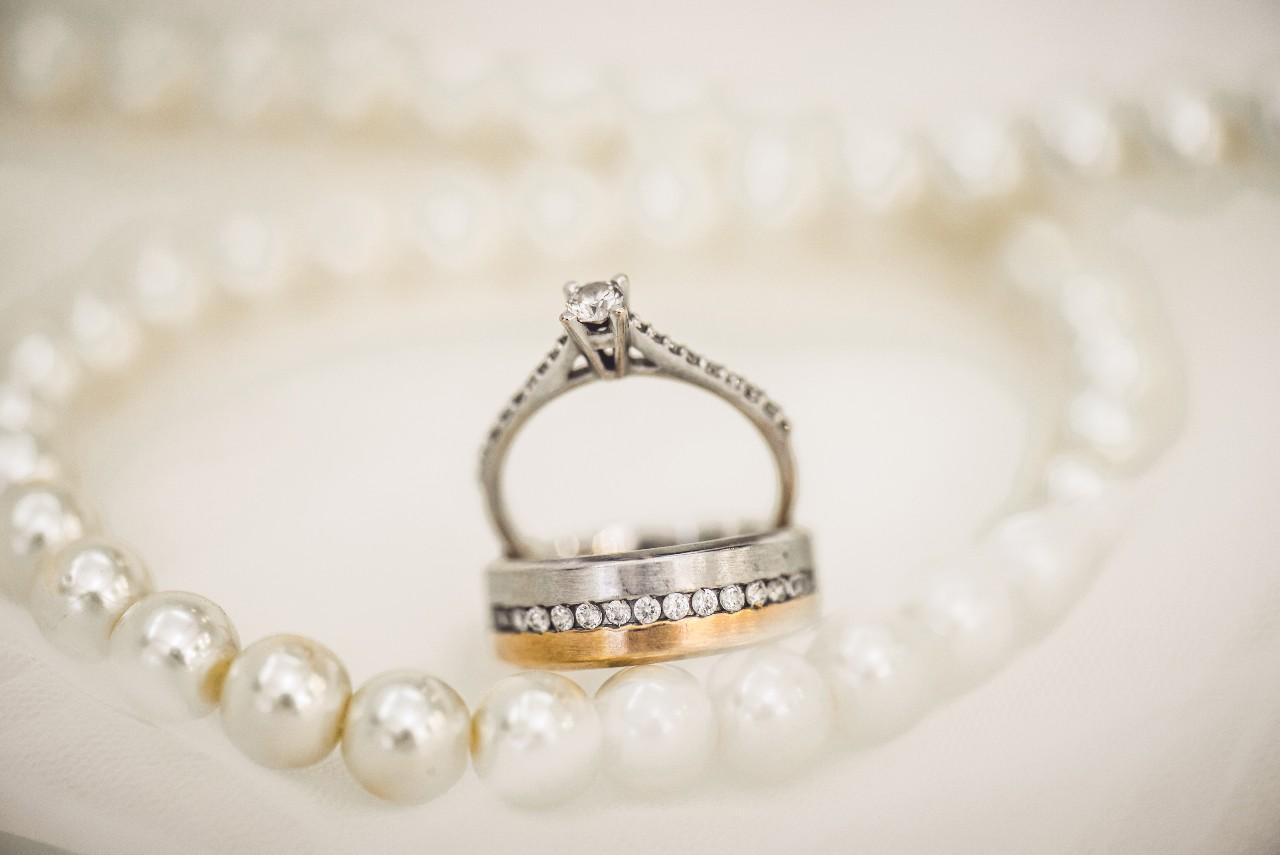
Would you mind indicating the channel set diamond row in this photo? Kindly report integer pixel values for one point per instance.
(678, 605)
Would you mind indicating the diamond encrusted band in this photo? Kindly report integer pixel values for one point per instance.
(603, 340)
(652, 604)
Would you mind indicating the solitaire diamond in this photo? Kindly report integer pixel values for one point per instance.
(647, 610)
(732, 598)
(562, 618)
(675, 606)
(757, 594)
(617, 612)
(704, 602)
(537, 619)
(592, 303)
(588, 615)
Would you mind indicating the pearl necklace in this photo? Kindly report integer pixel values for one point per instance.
(286, 701)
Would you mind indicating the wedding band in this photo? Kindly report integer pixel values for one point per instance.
(652, 604)
(604, 340)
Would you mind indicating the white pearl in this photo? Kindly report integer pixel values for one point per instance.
(880, 680)
(774, 710)
(1188, 126)
(673, 201)
(37, 518)
(565, 109)
(167, 288)
(981, 160)
(46, 366)
(969, 623)
(454, 222)
(1047, 558)
(1083, 138)
(23, 458)
(19, 413)
(251, 258)
(363, 78)
(82, 590)
(775, 177)
(283, 701)
(154, 69)
(1038, 258)
(462, 91)
(1110, 361)
(47, 59)
(1071, 477)
(256, 79)
(406, 736)
(659, 727)
(105, 336)
(1106, 423)
(565, 210)
(885, 172)
(170, 653)
(535, 739)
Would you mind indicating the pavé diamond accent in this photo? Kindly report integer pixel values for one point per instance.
(777, 590)
(798, 585)
(519, 620)
(588, 615)
(617, 612)
(675, 606)
(537, 619)
(591, 303)
(562, 618)
(757, 594)
(704, 602)
(647, 610)
(731, 598)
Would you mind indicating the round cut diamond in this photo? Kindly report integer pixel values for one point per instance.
(562, 618)
(592, 303)
(647, 610)
(777, 590)
(704, 602)
(588, 615)
(537, 619)
(675, 606)
(731, 598)
(798, 585)
(617, 612)
(757, 594)
(519, 620)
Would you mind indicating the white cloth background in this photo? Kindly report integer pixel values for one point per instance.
(322, 481)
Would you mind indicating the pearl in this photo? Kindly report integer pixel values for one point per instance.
(47, 60)
(348, 237)
(565, 109)
(251, 259)
(406, 737)
(1188, 126)
(1106, 423)
(969, 623)
(19, 413)
(283, 701)
(885, 172)
(673, 201)
(167, 289)
(82, 590)
(774, 710)
(256, 78)
(565, 210)
(37, 519)
(1047, 558)
(44, 365)
(981, 160)
(170, 653)
(535, 739)
(363, 78)
(154, 71)
(1037, 258)
(775, 177)
(1071, 477)
(879, 679)
(461, 92)
(1083, 138)
(22, 458)
(106, 338)
(659, 727)
(454, 222)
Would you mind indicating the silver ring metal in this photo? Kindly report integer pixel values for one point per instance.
(604, 340)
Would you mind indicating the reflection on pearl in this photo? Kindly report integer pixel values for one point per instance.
(82, 590)
(170, 652)
(105, 336)
(47, 59)
(773, 708)
(880, 681)
(659, 727)
(283, 701)
(36, 519)
(969, 623)
(405, 736)
(535, 739)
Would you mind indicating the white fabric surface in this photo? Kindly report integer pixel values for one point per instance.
(322, 482)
